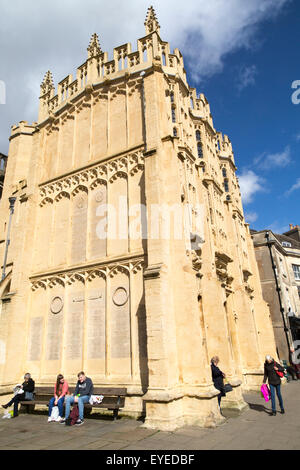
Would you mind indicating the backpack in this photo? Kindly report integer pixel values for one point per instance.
(74, 415)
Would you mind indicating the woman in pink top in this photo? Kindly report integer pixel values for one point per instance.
(61, 389)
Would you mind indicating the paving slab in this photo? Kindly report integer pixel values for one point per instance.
(252, 429)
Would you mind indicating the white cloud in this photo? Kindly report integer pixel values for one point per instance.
(39, 35)
(251, 217)
(274, 160)
(246, 77)
(277, 227)
(293, 188)
(250, 184)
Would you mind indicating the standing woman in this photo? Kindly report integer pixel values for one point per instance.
(28, 389)
(61, 389)
(218, 376)
(271, 369)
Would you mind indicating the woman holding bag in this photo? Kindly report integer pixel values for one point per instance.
(273, 372)
(61, 389)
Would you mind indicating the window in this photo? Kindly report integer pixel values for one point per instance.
(226, 186)
(174, 132)
(173, 115)
(199, 150)
(296, 269)
(198, 135)
(299, 291)
(286, 244)
(224, 172)
(172, 97)
(192, 103)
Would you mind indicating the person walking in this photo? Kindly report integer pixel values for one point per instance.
(82, 394)
(218, 378)
(271, 369)
(28, 390)
(61, 389)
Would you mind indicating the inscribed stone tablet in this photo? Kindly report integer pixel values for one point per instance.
(35, 340)
(120, 323)
(96, 324)
(54, 329)
(75, 325)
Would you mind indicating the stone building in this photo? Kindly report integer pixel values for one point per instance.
(278, 259)
(174, 280)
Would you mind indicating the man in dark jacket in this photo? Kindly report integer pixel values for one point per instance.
(28, 389)
(270, 372)
(218, 376)
(82, 394)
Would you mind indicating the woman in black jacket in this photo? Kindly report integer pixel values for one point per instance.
(271, 368)
(28, 389)
(218, 376)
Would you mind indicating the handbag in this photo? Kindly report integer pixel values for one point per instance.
(228, 388)
(265, 391)
(54, 413)
(29, 396)
(277, 371)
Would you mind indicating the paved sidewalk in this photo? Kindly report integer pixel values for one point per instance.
(253, 429)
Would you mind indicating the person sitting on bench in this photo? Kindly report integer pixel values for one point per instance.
(82, 394)
(28, 389)
(61, 389)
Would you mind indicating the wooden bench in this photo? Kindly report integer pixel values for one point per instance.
(113, 399)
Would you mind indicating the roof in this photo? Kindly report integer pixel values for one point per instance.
(285, 238)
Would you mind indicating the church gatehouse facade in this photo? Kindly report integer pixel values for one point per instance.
(129, 256)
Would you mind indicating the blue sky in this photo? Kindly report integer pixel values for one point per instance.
(250, 101)
(243, 55)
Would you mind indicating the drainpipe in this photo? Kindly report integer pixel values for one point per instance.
(267, 236)
(12, 201)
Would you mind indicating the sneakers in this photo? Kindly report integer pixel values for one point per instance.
(79, 422)
(50, 419)
(62, 421)
(282, 411)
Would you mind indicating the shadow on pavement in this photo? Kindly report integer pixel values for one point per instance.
(254, 406)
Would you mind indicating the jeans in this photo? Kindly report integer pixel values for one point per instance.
(60, 405)
(277, 388)
(81, 401)
(15, 401)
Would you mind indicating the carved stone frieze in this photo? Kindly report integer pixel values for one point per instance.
(90, 178)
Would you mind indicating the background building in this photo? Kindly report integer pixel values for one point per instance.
(128, 145)
(278, 259)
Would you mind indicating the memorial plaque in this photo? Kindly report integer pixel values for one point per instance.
(56, 305)
(79, 227)
(54, 329)
(96, 324)
(98, 223)
(35, 339)
(75, 325)
(120, 296)
(120, 323)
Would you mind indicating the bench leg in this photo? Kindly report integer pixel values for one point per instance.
(116, 411)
